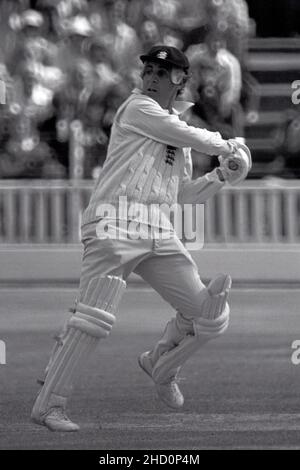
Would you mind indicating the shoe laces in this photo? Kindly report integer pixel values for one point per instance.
(175, 378)
(173, 386)
(174, 381)
(58, 413)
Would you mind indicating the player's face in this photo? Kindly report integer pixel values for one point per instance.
(157, 84)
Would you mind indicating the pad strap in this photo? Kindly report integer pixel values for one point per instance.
(93, 321)
(212, 328)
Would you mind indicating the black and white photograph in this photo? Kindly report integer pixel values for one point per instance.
(149, 228)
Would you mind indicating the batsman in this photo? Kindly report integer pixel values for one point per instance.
(148, 164)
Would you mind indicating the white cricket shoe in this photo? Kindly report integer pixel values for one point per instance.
(168, 392)
(55, 419)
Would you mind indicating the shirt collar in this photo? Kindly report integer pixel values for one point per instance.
(179, 106)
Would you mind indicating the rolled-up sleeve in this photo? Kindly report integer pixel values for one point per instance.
(147, 118)
(197, 191)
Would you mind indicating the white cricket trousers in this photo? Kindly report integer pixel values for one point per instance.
(164, 264)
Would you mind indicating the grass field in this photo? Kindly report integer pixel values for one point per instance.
(241, 391)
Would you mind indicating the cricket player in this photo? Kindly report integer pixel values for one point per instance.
(148, 166)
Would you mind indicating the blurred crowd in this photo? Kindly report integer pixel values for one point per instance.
(66, 66)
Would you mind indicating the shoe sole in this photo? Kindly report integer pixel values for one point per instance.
(53, 429)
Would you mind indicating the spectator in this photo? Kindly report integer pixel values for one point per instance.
(63, 54)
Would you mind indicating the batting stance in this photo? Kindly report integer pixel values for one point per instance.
(148, 163)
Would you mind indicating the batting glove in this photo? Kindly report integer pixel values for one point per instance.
(235, 167)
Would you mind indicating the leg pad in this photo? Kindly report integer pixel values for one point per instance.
(205, 330)
(93, 320)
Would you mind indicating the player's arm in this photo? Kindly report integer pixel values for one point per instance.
(197, 191)
(232, 170)
(147, 118)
